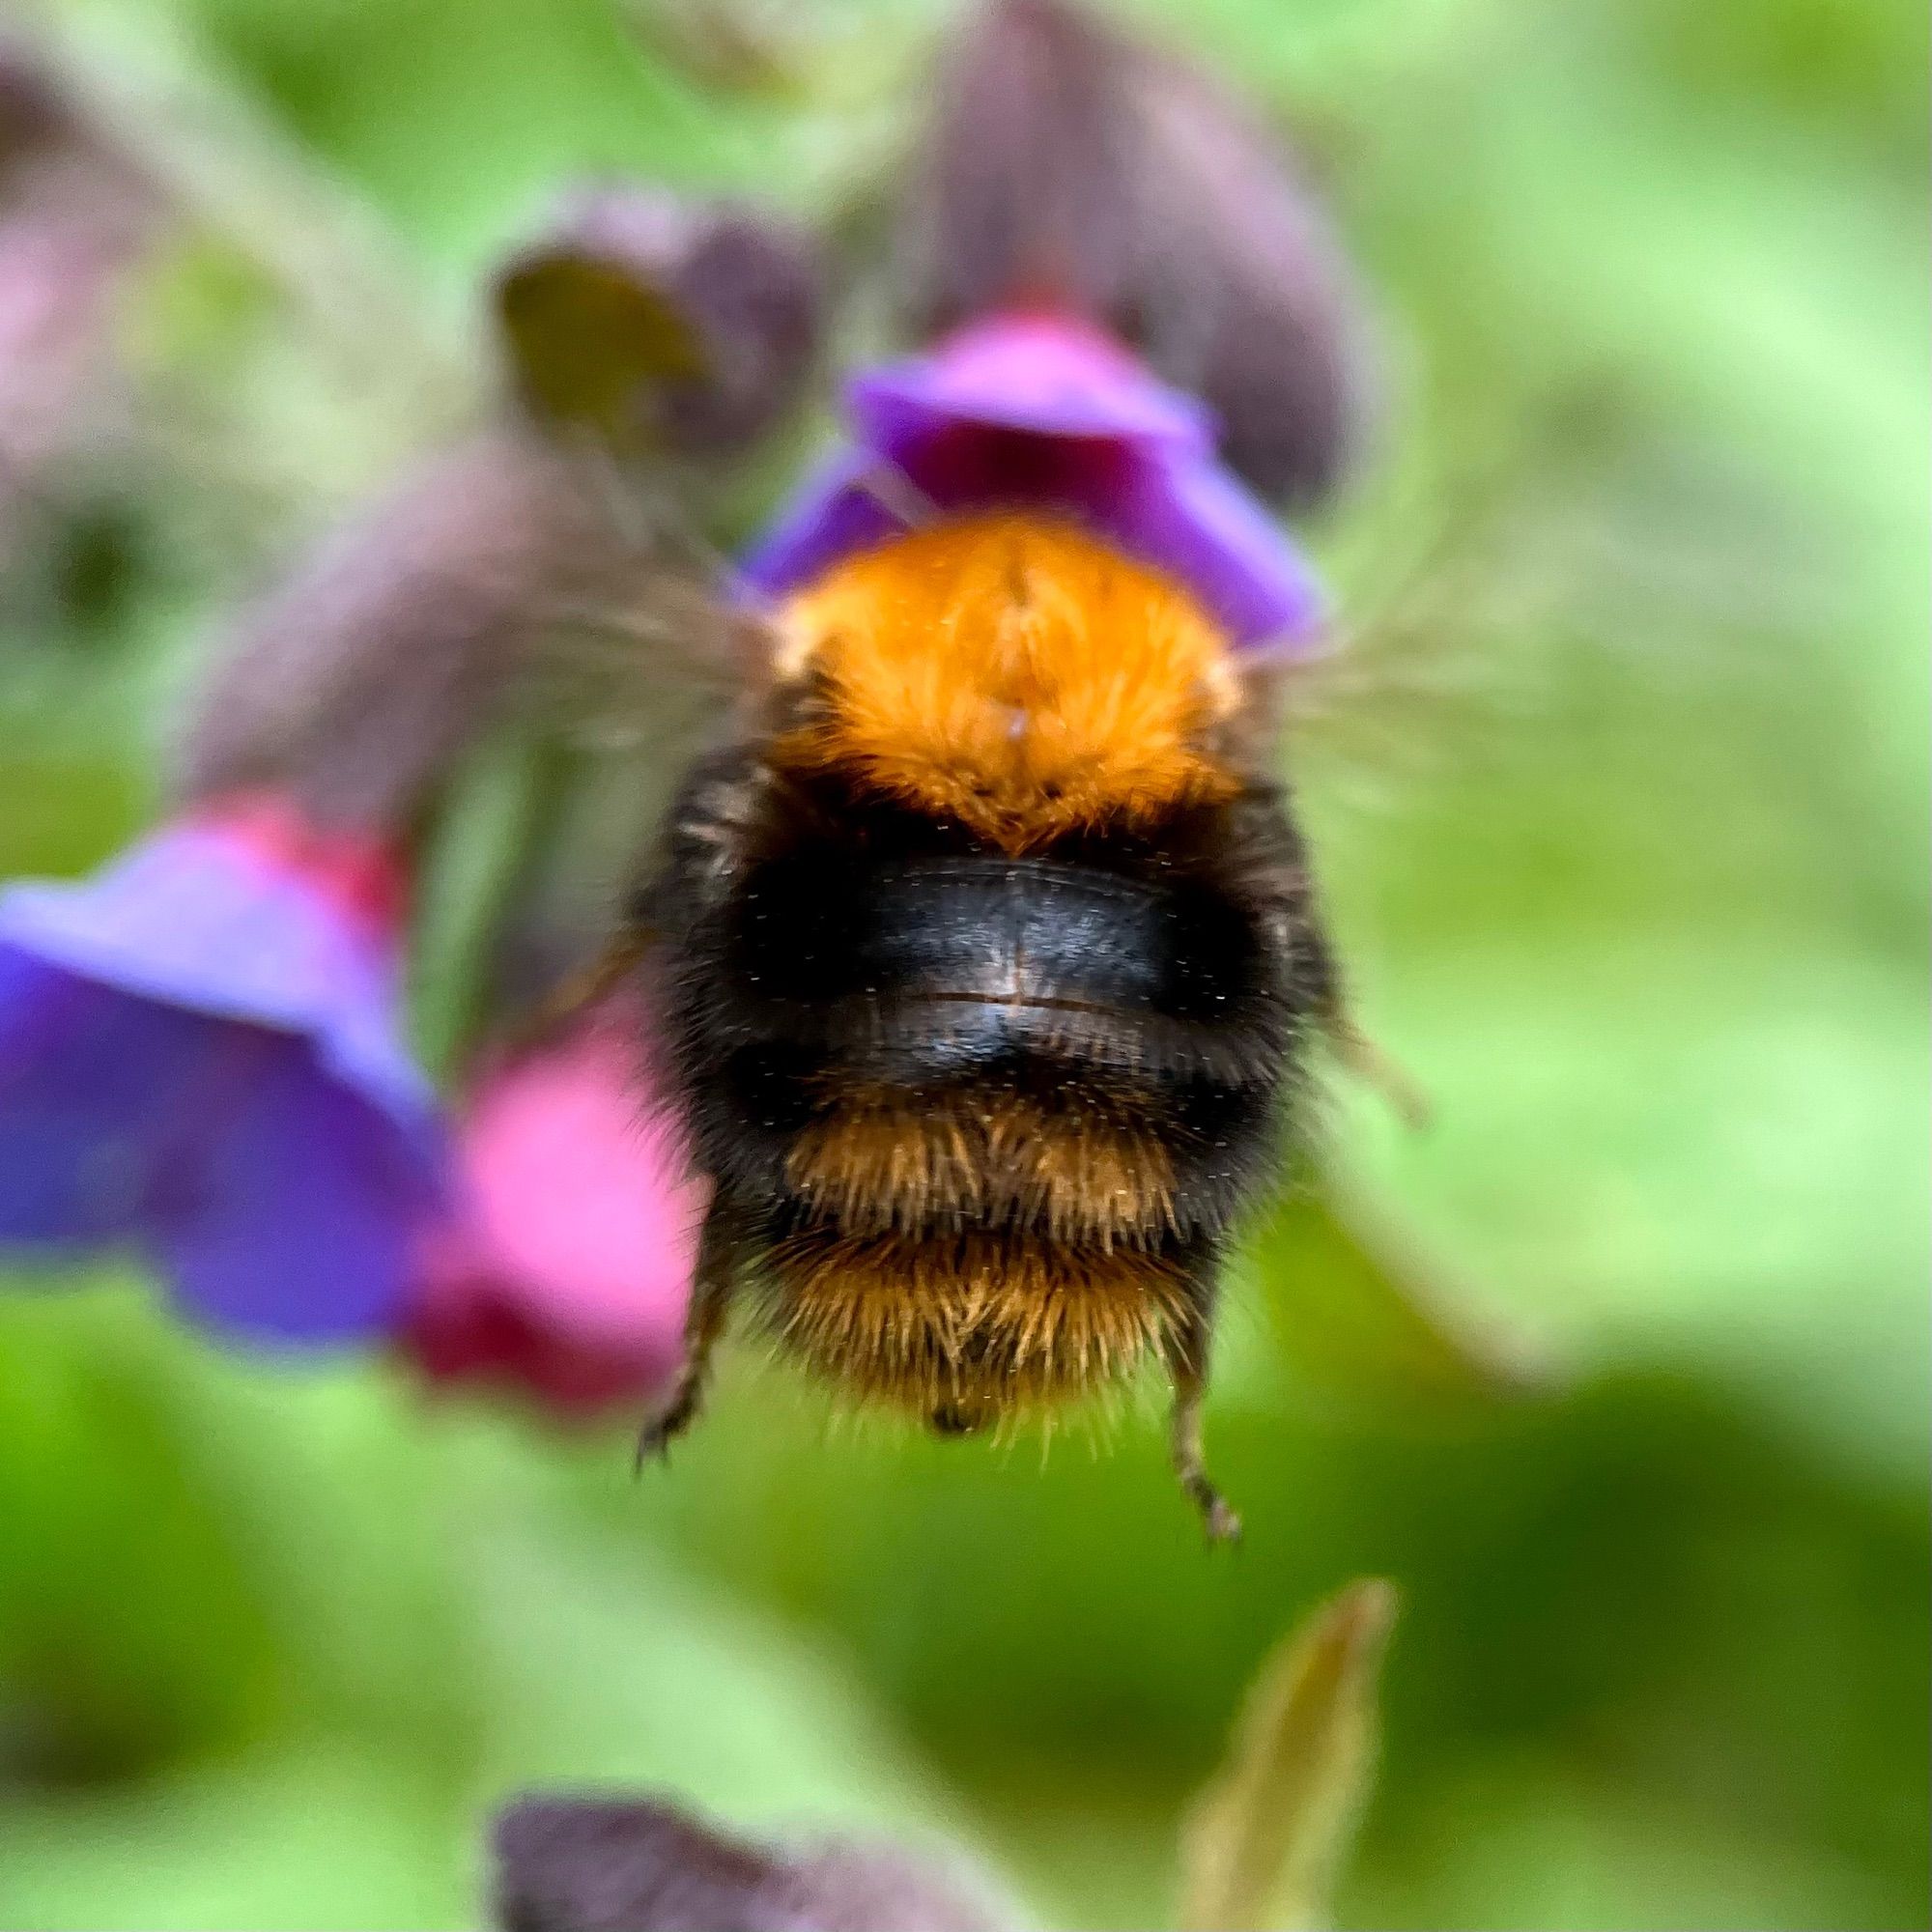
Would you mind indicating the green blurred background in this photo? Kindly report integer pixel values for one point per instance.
(1628, 857)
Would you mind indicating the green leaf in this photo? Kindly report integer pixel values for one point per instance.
(492, 814)
(1366, 1313)
(307, 1831)
(1267, 1837)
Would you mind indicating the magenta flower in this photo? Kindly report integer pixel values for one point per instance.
(567, 1276)
(199, 1060)
(1043, 411)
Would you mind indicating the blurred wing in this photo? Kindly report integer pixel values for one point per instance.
(1445, 610)
(625, 692)
(647, 665)
(625, 671)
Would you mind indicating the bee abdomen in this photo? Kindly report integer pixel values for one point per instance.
(976, 1324)
(951, 1162)
(987, 1121)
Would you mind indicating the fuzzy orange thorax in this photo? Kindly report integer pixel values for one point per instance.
(1012, 674)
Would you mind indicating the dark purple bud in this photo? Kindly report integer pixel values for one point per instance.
(353, 683)
(1075, 170)
(33, 116)
(1023, 199)
(630, 1865)
(661, 324)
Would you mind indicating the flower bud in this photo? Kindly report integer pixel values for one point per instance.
(1072, 167)
(619, 1864)
(663, 324)
(355, 682)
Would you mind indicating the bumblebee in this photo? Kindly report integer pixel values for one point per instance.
(986, 961)
(984, 951)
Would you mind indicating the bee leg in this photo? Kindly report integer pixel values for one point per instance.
(1369, 1064)
(1328, 1002)
(711, 1286)
(586, 986)
(1187, 1364)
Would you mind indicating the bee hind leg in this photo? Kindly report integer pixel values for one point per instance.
(1187, 1363)
(1355, 1051)
(711, 1285)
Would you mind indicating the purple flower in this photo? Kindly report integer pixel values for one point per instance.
(1041, 411)
(199, 1060)
(201, 1054)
